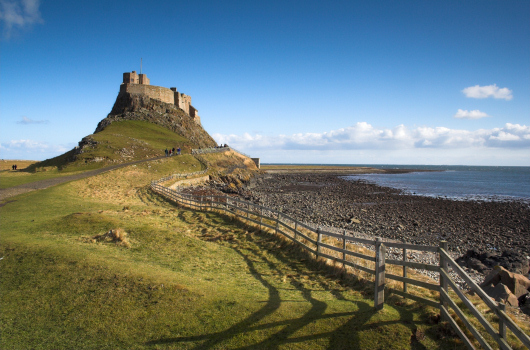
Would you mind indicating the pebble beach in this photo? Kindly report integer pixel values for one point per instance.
(329, 200)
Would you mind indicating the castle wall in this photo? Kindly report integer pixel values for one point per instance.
(183, 101)
(139, 84)
(143, 79)
(194, 114)
(157, 92)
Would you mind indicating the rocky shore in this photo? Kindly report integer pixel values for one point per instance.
(495, 231)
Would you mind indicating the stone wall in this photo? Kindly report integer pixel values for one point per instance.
(183, 101)
(156, 92)
(194, 113)
(143, 79)
(134, 83)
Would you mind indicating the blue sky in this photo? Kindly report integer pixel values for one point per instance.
(352, 82)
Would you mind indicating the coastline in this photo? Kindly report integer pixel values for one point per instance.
(324, 198)
(331, 169)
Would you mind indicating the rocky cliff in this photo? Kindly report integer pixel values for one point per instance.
(130, 106)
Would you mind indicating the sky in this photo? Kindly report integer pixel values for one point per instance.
(326, 82)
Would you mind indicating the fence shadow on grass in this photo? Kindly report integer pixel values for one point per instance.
(346, 336)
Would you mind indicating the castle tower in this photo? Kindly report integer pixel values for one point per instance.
(131, 78)
(143, 79)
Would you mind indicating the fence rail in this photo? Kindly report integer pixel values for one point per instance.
(313, 240)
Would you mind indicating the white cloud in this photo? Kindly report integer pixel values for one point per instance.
(465, 114)
(18, 15)
(363, 136)
(26, 121)
(31, 149)
(488, 91)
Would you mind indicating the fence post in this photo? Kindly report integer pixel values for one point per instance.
(404, 269)
(444, 265)
(319, 240)
(344, 247)
(260, 217)
(380, 252)
(248, 211)
(502, 325)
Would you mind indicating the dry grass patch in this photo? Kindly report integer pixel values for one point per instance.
(117, 236)
(6, 164)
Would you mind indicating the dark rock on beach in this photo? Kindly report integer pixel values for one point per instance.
(496, 232)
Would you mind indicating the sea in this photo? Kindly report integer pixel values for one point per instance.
(486, 183)
(456, 182)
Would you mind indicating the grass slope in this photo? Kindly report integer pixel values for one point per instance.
(120, 142)
(190, 280)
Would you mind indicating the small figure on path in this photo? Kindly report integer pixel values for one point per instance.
(178, 151)
(166, 152)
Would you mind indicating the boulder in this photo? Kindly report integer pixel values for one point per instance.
(483, 262)
(477, 265)
(502, 294)
(513, 283)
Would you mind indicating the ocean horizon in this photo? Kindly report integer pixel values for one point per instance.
(457, 182)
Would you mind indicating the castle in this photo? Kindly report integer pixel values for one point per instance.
(139, 84)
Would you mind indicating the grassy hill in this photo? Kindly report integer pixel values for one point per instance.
(120, 142)
(137, 127)
(178, 279)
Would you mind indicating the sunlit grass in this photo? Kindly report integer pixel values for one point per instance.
(186, 280)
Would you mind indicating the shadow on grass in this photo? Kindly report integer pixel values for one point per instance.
(346, 336)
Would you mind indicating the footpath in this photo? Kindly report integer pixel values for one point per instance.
(6, 193)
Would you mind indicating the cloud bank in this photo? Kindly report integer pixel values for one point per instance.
(27, 121)
(465, 114)
(30, 149)
(18, 15)
(488, 91)
(363, 136)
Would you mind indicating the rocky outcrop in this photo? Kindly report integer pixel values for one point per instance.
(506, 287)
(485, 262)
(130, 106)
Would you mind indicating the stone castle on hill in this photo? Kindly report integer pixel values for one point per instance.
(139, 84)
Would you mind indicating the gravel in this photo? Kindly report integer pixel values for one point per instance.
(367, 210)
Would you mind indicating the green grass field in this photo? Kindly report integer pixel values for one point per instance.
(189, 280)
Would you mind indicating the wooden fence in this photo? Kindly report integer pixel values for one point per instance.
(447, 295)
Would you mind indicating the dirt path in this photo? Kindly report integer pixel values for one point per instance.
(6, 193)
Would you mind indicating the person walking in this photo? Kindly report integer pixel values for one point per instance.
(166, 151)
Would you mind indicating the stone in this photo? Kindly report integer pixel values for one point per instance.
(502, 294)
(517, 284)
(526, 308)
(476, 264)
